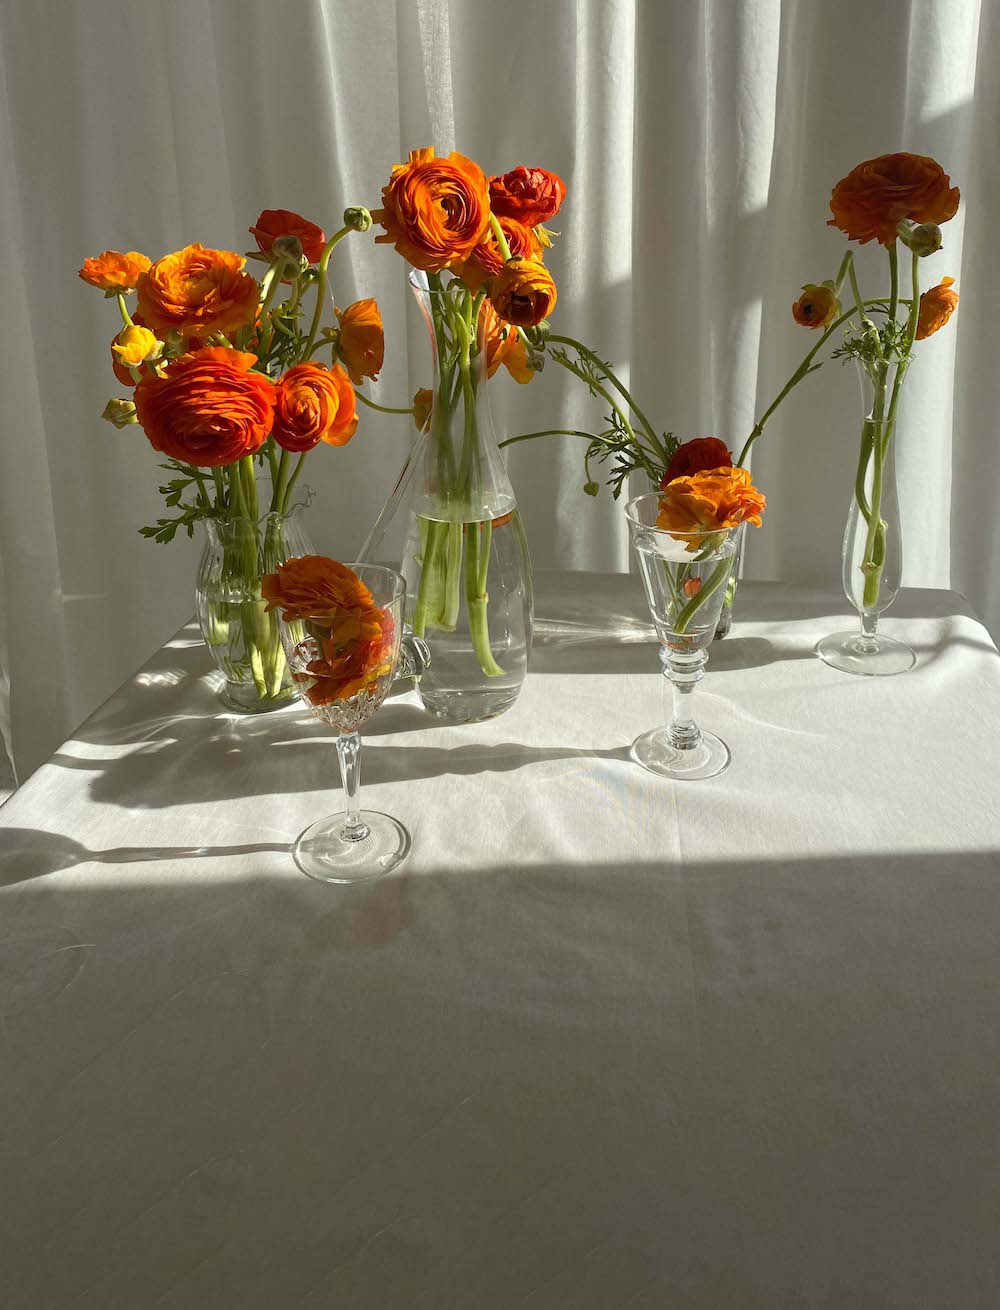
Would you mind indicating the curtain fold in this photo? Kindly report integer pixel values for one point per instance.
(699, 140)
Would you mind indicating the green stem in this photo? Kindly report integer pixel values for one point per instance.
(324, 264)
(553, 432)
(803, 369)
(126, 319)
(500, 235)
(716, 578)
(893, 280)
(452, 575)
(477, 600)
(278, 488)
(428, 567)
(634, 441)
(595, 359)
(382, 409)
(293, 479)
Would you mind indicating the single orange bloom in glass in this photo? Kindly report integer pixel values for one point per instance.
(486, 261)
(531, 195)
(869, 202)
(523, 292)
(209, 408)
(196, 292)
(695, 456)
(357, 650)
(314, 404)
(710, 501)
(275, 223)
(936, 307)
(361, 343)
(355, 637)
(817, 307)
(435, 210)
(114, 272)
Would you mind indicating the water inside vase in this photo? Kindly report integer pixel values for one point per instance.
(468, 596)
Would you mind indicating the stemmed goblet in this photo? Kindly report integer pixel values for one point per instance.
(344, 663)
(685, 575)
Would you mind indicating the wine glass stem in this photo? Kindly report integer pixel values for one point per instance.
(684, 671)
(349, 752)
(868, 642)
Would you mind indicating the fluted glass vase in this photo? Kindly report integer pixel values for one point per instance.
(244, 641)
(466, 564)
(872, 555)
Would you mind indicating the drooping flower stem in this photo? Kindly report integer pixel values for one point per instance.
(324, 264)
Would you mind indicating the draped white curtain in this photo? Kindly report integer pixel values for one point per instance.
(699, 140)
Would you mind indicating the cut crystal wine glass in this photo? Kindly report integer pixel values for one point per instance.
(685, 575)
(344, 687)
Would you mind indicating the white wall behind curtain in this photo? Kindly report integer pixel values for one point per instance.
(699, 140)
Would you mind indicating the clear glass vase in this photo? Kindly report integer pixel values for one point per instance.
(465, 561)
(872, 556)
(244, 641)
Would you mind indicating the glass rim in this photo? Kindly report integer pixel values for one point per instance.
(675, 533)
(398, 583)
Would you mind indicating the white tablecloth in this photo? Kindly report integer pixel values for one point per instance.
(607, 1042)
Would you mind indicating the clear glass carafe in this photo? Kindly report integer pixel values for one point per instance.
(465, 561)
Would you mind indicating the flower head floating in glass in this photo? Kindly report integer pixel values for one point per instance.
(341, 630)
(686, 537)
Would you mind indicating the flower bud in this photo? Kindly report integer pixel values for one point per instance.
(591, 488)
(120, 412)
(924, 239)
(288, 254)
(358, 218)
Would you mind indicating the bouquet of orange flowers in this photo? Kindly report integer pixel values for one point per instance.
(227, 385)
(477, 246)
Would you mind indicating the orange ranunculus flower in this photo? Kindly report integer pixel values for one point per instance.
(816, 307)
(362, 340)
(356, 637)
(936, 307)
(486, 261)
(275, 223)
(710, 501)
(114, 272)
(314, 404)
(523, 292)
(499, 349)
(695, 456)
(869, 202)
(197, 291)
(532, 195)
(208, 408)
(313, 586)
(357, 650)
(435, 210)
(423, 403)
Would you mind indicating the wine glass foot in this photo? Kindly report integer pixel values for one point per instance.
(876, 657)
(654, 751)
(324, 853)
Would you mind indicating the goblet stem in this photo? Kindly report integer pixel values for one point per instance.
(868, 642)
(684, 669)
(349, 753)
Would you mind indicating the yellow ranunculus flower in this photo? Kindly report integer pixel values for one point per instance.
(137, 345)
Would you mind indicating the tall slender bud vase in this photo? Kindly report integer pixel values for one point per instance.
(466, 565)
(873, 550)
